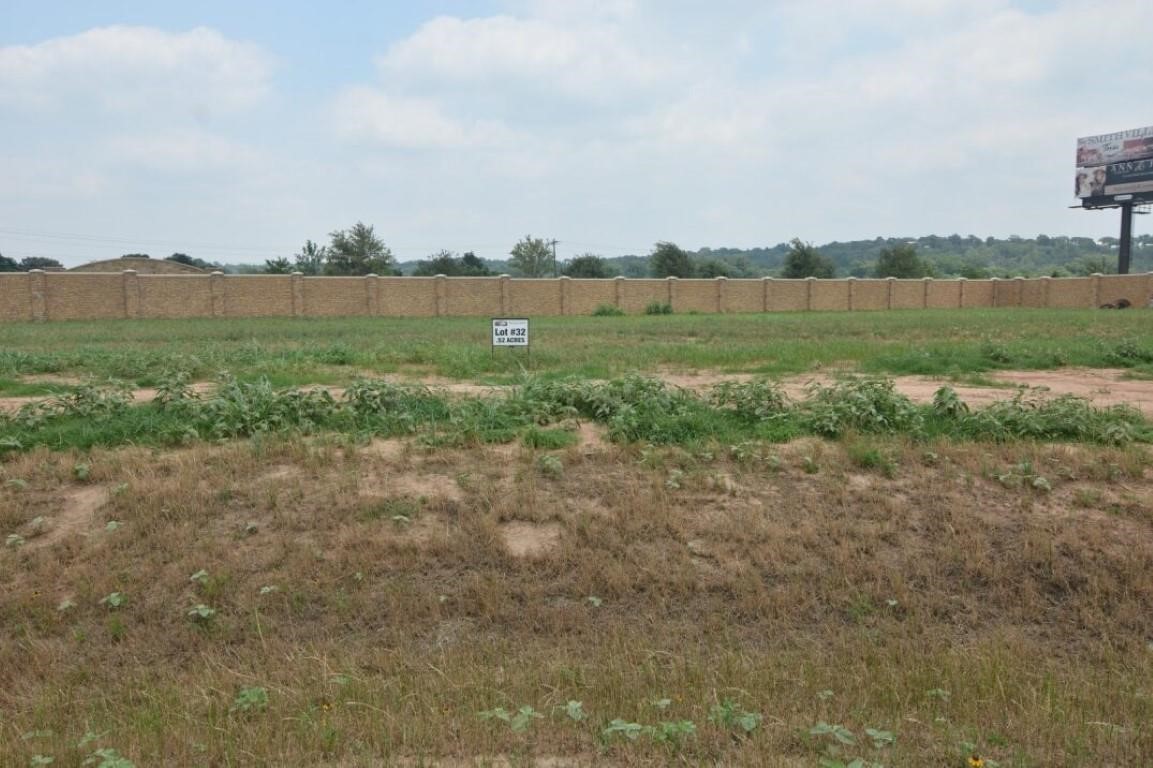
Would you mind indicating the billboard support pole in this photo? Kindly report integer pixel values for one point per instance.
(1125, 246)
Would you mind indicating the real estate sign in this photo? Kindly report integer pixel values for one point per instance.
(510, 331)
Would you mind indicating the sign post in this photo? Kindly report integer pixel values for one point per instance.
(511, 332)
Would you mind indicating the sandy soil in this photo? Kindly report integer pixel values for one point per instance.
(524, 539)
(75, 515)
(1101, 386)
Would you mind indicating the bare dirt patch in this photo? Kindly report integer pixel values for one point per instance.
(591, 438)
(279, 472)
(75, 515)
(530, 539)
(145, 395)
(411, 485)
(389, 450)
(1101, 386)
(51, 378)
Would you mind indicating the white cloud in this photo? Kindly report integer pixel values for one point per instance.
(179, 151)
(586, 59)
(121, 68)
(365, 113)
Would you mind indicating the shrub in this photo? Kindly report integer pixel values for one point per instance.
(657, 308)
(752, 400)
(608, 310)
(862, 406)
(1062, 418)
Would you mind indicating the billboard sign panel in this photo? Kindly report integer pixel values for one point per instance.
(1115, 164)
(1129, 178)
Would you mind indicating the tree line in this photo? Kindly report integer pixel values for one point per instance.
(358, 250)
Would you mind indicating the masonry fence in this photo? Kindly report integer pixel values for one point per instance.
(41, 296)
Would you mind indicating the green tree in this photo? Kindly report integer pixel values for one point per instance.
(446, 263)
(975, 272)
(38, 262)
(311, 259)
(278, 266)
(473, 266)
(357, 251)
(184, 258)
(136, 256)
(531, 257)
(669, 260)
(713, 268)
(902, 261)
(803, 260)
(8, 265)
(588, 265)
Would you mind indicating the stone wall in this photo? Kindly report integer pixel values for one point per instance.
(41, 295)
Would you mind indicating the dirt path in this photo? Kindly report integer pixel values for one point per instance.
(1101, 386)
(146, 395)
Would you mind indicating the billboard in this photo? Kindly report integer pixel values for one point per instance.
(1115, 164)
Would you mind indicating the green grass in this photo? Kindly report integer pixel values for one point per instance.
(939, 342)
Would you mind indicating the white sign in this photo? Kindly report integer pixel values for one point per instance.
(510, 331)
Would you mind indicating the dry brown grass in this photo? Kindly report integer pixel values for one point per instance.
(407, 600)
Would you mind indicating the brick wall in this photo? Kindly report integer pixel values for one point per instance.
(16, 296)
(829, 295)
(174, 296)
(870, 294)
(40, 295)
(584, 296)
(744, 296)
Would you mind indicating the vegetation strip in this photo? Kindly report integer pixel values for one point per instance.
(633, 408)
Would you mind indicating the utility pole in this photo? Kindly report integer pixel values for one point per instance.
(553, 243)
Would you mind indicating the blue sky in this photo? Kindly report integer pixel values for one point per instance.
(234, 131)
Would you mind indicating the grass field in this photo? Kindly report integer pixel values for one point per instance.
(333, 351)
(573, 572)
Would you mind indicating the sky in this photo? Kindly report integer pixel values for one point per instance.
(234, 131)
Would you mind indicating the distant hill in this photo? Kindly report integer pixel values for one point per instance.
(950, 256)
(956, 256)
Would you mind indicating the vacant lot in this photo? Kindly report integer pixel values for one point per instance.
(576, 572)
